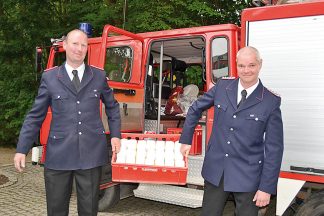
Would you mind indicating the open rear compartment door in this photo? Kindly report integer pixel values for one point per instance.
(176, 77)
(161, 166)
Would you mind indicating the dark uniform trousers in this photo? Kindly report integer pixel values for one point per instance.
(215, 199)
(58, 185)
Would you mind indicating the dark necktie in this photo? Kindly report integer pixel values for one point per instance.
(243, 98)
(76, 80)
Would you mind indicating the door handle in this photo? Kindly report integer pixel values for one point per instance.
(125, 109)
(130, 92)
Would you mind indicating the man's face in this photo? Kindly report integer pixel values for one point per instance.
(76, 46)
(248, 68)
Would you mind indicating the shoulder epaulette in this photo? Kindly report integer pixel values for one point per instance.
(48, 69)
(273, 92)
(96, 67)
(228, 78)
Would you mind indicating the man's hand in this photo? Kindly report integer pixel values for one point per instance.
(184, 149)
(20, 161)
(261, 198)
(115, 144)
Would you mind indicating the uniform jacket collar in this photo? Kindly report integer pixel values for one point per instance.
(64, 78)
(255, 97)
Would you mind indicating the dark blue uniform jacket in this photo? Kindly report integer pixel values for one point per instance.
(77, 138)
(246, 143)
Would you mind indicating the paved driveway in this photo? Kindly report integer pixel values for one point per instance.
(24, 195)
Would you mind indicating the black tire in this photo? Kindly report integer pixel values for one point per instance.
(312, 206)
(291, 210)
(271, 208)
(108, 198)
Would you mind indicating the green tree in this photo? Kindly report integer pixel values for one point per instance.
(24, 25)
(170, 14)
(18, 34)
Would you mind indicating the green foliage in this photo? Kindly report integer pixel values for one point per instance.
(194, 76)
(170, 14)
(26, 24)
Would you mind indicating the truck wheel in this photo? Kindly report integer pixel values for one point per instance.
(314, 205)
(271, 208)
(108, 198)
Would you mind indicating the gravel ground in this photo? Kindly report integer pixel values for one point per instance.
(6, 157)
(7, 154)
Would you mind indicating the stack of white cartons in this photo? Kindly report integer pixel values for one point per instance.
(150, 152)
(159, 153)
(131, 151)
(141, 152)
(169, 154)
(121, 156)
(178, 157)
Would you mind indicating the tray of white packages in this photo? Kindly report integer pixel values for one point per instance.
(150, 158)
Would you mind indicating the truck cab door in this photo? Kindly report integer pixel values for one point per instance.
(121, 58)
(222, 47)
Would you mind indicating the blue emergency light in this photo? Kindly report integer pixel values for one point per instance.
(87, 28)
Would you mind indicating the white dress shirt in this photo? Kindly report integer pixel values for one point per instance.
(248, 90)
(80, 70)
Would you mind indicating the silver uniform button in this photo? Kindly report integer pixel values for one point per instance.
(79, 112)
(80, 133)
(234, 116)
(260, 162)
(218, 106)
(78, 102)
(96, 95)
(58, 96)
(226, 155)
(231, 129)
(256, 119)
(79, 122)
(228, 142)
(54, 137)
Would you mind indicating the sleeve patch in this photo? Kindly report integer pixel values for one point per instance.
(274, 93)
(97, 67)
(48, 69)
(228, 78)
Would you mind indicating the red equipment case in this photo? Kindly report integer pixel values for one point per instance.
(196, 145)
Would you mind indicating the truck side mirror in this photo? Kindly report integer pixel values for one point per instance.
(38, 59)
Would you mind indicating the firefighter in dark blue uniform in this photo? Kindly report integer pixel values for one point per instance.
(77, 145)
(245, 149)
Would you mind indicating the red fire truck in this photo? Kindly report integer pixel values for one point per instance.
(144, 68)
